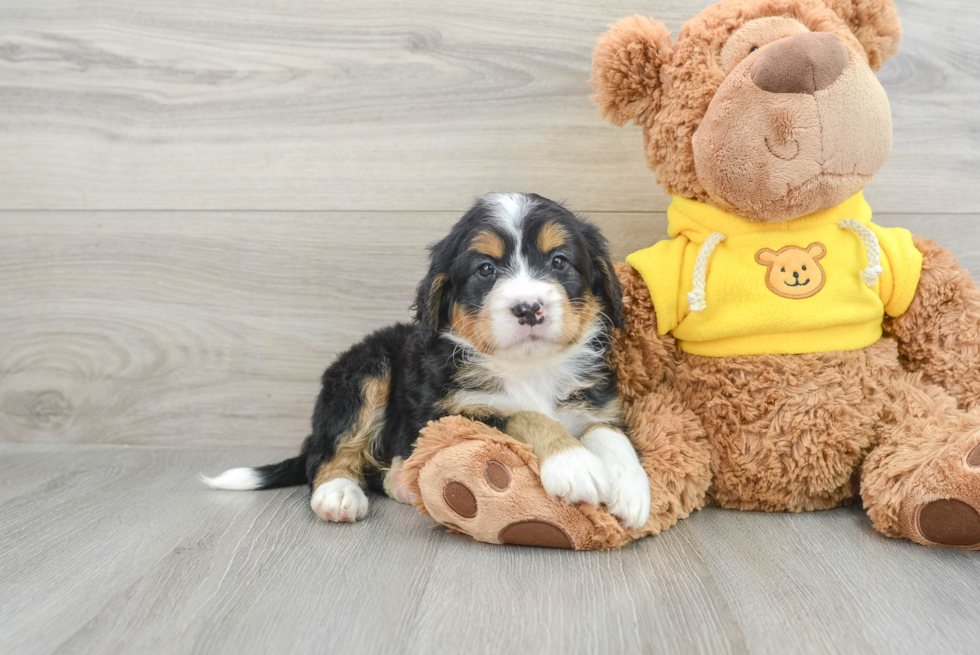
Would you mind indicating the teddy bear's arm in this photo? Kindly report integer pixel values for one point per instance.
(641, 357)
(939, 334)
(668, 437)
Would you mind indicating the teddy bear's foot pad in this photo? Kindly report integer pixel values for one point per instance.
(955, 521)
(461, 500)
(973, 459)
(483, 489)
(535, 533)
(950, 523)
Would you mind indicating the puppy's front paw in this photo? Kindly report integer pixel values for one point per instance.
(629, 493)
(629, 487)
(575, 476)
(338, 500)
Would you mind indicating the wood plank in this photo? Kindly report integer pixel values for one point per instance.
(213, 328)
(246, 104)
(130, 553)
(164, 328)
(127, 552)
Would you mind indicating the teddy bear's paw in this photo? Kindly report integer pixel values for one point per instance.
(950, 522)
(339, 500)
(485, 490)
(575, 476)
(954, 520)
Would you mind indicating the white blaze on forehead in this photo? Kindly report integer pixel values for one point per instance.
(509, 211)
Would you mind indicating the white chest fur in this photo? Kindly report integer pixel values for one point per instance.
(542, 385)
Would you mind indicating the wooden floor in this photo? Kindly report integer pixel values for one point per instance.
(109, 549)
(203, 201)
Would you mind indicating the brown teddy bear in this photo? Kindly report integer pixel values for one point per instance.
(781, 352)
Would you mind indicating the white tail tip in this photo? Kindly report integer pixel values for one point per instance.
(243, 479)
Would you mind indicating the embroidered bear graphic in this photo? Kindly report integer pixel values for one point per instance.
(794, 272)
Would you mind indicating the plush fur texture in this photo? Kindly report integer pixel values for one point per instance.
(820, 141)
(896, 424)
(455, 449)
(666, 86)
(894, 421)
(939, 335)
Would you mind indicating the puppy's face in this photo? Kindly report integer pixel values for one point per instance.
(520, 274)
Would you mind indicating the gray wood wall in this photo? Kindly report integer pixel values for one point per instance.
(202, 202)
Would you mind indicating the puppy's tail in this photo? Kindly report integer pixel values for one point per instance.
(287, 473)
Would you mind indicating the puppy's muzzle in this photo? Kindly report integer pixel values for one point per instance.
(528, 313)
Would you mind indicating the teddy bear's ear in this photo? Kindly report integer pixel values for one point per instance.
(816, 251)
(626, 69)
(875, 24)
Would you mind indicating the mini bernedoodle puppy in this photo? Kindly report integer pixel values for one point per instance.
(512, 328)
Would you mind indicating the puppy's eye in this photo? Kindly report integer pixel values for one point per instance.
(486, 270)
(804, 268)
(782, 270)
(559, 262)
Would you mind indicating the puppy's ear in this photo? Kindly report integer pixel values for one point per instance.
(433, 295)
(875, 24)
(626, 69)
(603, 280)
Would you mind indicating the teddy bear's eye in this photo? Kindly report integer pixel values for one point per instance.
(782, 270)
(753, 49)
(804, 268)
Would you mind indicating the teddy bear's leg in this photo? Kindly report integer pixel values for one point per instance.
(922, 481)
(939, 334)
(479, 481)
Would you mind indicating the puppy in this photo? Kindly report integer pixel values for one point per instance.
(512, 328)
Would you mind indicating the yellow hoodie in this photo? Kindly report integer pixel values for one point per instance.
(723, 285)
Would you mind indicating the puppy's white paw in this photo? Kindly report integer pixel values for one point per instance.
(574, 476)
(338, 500)
(629, 494)
(629, 487)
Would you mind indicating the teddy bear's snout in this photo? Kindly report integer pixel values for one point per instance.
(805, 63)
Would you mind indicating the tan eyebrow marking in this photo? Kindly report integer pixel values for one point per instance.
(489, 244)
(551, 236)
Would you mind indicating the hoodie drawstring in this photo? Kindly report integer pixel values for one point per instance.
(874, 270)
(695, 299)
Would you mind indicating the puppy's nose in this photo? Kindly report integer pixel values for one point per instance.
(796, 275)
(529, 314)
(805, 63)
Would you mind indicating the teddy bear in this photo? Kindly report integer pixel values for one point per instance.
(780, 352)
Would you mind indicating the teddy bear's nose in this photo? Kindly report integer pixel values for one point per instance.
(805, 63)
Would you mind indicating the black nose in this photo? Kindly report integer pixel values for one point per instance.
(796, 275)
(527, 314)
